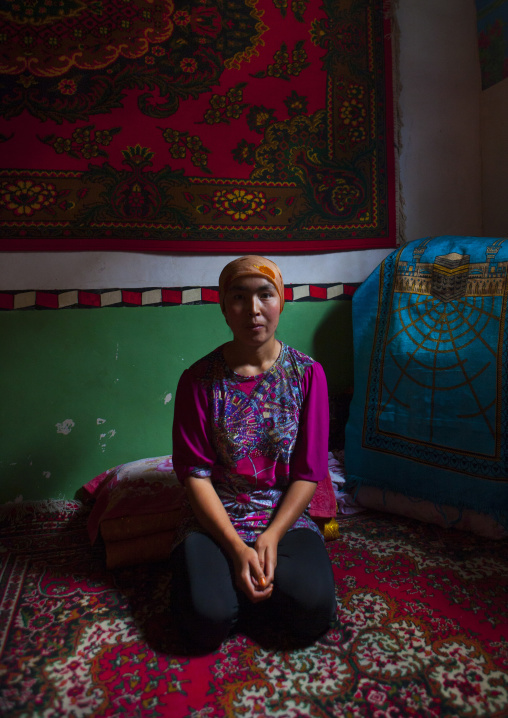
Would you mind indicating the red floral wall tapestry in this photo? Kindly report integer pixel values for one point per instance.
(196, 126)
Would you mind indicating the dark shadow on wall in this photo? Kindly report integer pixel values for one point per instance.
(333, 348)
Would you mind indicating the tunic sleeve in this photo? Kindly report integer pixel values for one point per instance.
(192, 448)
(310, 457)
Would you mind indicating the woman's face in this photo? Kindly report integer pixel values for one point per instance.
(252, 310)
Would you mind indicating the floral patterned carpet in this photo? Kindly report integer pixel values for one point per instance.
(422, 630)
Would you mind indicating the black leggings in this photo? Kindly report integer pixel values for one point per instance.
(208, 606)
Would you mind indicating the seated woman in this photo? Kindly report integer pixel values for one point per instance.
(250, 439)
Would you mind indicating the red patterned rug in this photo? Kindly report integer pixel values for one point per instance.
(246, 125)
(422, 631)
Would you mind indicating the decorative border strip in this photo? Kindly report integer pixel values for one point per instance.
(150, 296)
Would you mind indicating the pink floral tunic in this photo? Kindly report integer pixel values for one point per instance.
(252, 435)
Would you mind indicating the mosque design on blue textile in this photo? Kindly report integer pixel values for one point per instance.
(452, 276)
(438, 354)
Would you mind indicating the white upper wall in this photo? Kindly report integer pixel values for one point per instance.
(103, 270)
(439, 168)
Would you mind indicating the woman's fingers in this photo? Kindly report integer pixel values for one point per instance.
(260, 576)
(250, 574)
(270, 564)
(260, 594)
(254, 589)
(266, 549)
(262, 587)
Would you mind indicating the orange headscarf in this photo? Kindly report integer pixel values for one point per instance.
(251, 265)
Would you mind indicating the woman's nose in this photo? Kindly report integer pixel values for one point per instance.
(254, 306)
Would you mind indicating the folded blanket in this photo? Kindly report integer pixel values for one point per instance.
(128, 527)
(147, 487)
(140, 549)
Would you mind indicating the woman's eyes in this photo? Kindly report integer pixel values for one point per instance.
(263, 295)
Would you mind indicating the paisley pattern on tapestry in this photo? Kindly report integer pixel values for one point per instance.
(199, 125)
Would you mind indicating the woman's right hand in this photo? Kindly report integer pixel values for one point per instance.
(249, 575)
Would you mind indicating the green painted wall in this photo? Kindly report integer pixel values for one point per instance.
(110, 372)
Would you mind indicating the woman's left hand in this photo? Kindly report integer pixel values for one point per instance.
(266, 549)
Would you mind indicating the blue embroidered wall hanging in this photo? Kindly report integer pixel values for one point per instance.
(429, 412)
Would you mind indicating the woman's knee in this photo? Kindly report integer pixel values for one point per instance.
(204, 599)
(305, 585)
(206, 629)
(307, 616)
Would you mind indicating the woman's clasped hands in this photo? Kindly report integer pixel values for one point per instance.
(255, 568)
